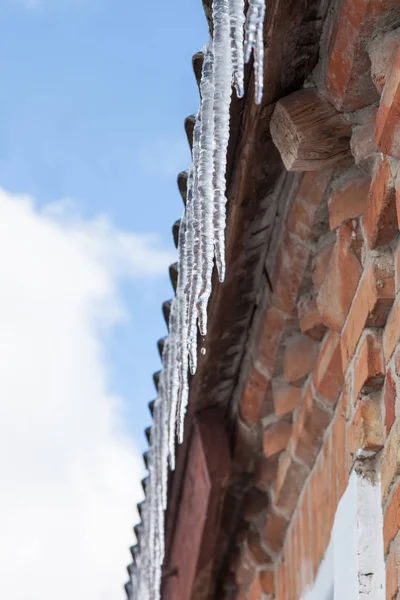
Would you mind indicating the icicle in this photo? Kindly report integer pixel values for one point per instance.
(194, 284)
(201, 237)
(205, 186)
(222, 100)
(254, 40)
(237, 20)
(174, 381)
(182, 324)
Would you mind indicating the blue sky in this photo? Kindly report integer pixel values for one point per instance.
(93, 98)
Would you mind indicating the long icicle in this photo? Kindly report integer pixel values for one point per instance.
(194, 283)
(222, 101)
(254, 40)
(205, 185)
(237, 21)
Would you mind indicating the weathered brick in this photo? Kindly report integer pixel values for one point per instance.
(245, 443)
(389, 398)
(275, 527)
(267, 581)
(286, 398)
(339, 428)
(371, 305)
(280, 579)
(366, 429)
(397, 264)
(349, 197)
(328, 372)
(276, 437)
(289, 482)
(299, 359)
(309, 318)
(348, 82)
(391, 336)
(380, 218)
(309, 428)
(254, 545)
(256, 502)
(362, 144)
(320, 266)
(303, 212)
(271, 331)
(392, 576)
(391, 460)
(306, 562)
(245, 572)
(318, 501)
(368, 364)
(253, 397)
(255, 590)
(288, 274)
(382, 52)
(391, 519)
(340, 284)
(265, 472)
(387, 128)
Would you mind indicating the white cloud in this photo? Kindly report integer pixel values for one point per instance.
(69, 473)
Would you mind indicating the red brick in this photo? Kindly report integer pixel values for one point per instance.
(397, 264)
(389, 397)
(371, 305)
(271, 331)
(380, 219)
(328, 372)
(320, 266)
(299, 358)
(303, 212)
(258, 553)
(339, 447)
(276, 437)
(286, 398)
(362, 144)
(288, 274)
(255, 590)
(265, 473)
(340, 284)
(280, 580)
(382, 52)
(267, 581)
(349, 198)
(348, 82)
(245, 444)
(391, 519)
(309, 318)
(245, 573)
(392, 331)
(366, 429)
(275, 527)
(306, 562)
(392, 576)
(309, 428)
(391, 460)
(253, 397)
(256, 502)
(387, 129)
(289, 483)
(368, 365)
(319, 495)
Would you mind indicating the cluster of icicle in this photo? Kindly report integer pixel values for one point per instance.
(201, 240)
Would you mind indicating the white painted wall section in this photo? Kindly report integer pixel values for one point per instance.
(354, 566)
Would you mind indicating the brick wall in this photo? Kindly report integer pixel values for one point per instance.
(319, 394)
